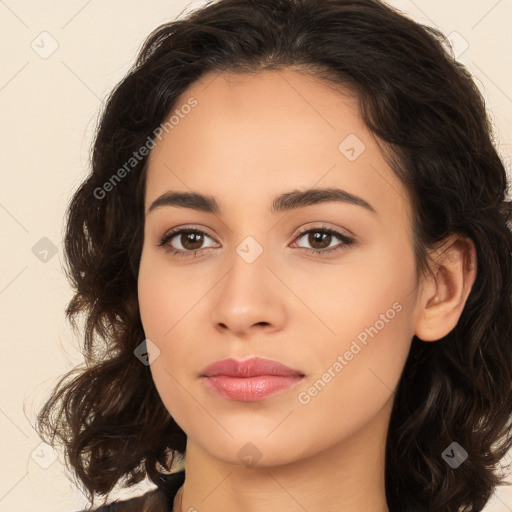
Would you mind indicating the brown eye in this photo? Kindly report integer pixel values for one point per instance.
(320, 240)
(185, 242)
(191, 240)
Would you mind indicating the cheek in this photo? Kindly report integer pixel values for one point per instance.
(166, 295)
(352, 296)
(357, 374)
(155, 303)
(369, 313)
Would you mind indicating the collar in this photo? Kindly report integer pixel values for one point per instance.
(170, 483)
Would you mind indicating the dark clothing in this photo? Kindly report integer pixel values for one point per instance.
(157, 500)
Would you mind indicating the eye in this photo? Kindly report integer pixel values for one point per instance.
(188, 242)
(184, 241)
(321, 238)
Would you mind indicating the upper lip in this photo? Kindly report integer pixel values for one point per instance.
(249, 368)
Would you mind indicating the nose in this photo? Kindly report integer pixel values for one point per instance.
(249, 299)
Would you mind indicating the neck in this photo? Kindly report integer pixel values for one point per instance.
(348, 476)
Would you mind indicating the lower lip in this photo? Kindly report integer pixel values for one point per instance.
(250, 389)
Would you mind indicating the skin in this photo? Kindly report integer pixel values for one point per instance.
(249, 139)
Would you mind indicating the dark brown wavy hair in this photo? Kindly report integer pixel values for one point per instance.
(425, 107)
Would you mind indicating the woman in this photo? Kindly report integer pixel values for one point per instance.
(294, 257)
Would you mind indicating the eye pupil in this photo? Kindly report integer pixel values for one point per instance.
(316, 237)
(193, 238)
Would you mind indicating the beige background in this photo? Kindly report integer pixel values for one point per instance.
(49, 108)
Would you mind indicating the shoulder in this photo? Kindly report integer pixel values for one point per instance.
(151, 501)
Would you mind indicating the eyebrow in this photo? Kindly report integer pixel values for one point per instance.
(282, 203)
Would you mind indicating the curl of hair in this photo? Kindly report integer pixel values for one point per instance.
(425, 108)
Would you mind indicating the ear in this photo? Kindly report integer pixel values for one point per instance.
(443, 295)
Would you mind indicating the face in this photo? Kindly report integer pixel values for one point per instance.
(323, 284)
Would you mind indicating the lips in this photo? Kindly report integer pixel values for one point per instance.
(251, 380)
(253, 367)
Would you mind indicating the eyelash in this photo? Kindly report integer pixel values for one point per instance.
(346, 241)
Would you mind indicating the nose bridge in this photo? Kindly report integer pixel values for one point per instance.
(246, 295)
(249, 249)
(247, 279)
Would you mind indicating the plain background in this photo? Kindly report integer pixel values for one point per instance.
(49, 104)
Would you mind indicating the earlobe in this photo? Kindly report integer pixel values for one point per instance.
(444, 294)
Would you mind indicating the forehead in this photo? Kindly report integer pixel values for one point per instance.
(273, 95)
(251, 108)
(254, 135)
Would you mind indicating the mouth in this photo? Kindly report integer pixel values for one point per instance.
(253, 367)
(251, 380)
(250, 389)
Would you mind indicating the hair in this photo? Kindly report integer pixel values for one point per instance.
(432, 120)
